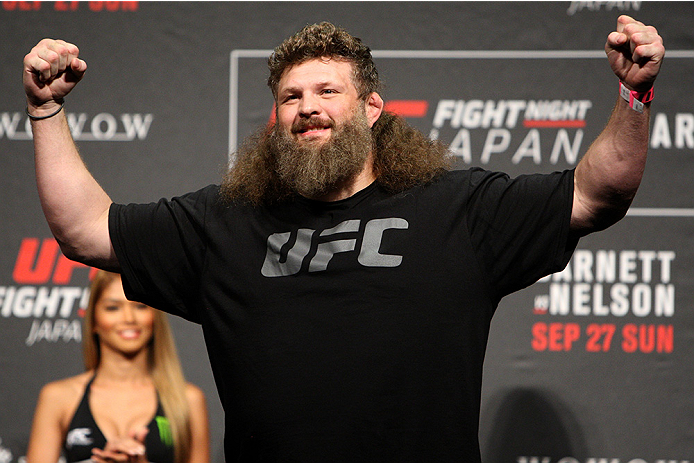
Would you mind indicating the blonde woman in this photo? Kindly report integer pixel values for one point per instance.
(132, 403)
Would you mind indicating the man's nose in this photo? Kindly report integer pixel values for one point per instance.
(308, 106)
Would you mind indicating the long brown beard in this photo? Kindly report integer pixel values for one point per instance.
(315, 169)
(403, 158)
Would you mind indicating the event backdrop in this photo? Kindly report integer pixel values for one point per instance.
(594, 364)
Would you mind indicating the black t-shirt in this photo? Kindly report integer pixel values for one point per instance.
(352, 330)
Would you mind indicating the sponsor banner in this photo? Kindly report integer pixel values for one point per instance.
(493, 126)
(591, 359)
(42, 304)
(42, 291)
(84, 127)
(599, 6)
(627, 298)
(460, 98)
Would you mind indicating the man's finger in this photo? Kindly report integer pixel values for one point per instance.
(71, 49)
(622, 21)
(51, 58)
(647, 53)
(78, 67)
(36, 65)
(56, 55)
(616, 39)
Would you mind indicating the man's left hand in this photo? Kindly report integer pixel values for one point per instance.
(635, 52)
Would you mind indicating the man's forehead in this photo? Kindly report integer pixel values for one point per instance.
(315, 66)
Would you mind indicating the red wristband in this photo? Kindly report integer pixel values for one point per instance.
(635, 99)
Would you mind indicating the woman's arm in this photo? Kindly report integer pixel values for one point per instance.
(48, 428)
(199, 425)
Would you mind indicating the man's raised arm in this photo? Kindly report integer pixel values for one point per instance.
(609, 174)
(74, 204)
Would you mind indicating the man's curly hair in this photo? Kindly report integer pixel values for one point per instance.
(325, 40)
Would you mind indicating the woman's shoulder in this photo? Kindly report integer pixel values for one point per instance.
(195, 396)
(59, 399)
(194, 393)
(66, 390)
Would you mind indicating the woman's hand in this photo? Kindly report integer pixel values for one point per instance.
(130, 449)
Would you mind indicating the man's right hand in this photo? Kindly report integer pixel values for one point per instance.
(51, 71)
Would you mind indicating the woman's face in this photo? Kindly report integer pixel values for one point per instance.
(123, 326)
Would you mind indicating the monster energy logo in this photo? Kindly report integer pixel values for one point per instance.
(164, 430)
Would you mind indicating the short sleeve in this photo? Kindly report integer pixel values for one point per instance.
(161, 249)
(521, 226)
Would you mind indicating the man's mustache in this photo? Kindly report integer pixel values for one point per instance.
(313, 122)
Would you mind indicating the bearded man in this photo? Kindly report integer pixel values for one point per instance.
(344, 278)
(277, 163)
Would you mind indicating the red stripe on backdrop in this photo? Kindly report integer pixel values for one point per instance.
(408, 108)
(554, 124)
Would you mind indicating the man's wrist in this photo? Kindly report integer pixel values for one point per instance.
(636, 100)
(45, 110)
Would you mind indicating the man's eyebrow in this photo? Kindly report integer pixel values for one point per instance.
(319, 84)
(290, 88)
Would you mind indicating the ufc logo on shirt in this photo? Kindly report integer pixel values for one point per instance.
(369, 255)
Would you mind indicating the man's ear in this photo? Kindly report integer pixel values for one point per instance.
(374, 108)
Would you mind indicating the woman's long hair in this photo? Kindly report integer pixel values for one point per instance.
(164, 365)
